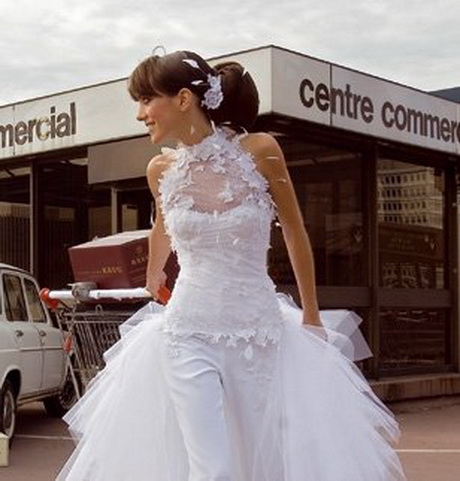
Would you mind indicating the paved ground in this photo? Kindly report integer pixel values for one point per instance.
(429, 447)
(430, 443)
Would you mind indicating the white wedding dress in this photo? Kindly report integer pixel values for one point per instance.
(321, 421)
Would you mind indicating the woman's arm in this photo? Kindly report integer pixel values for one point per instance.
(271, 163)
(159, 241)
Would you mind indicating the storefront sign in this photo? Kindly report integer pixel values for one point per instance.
(95, 114)
(54, 124)
(324, 93)
(288, 83)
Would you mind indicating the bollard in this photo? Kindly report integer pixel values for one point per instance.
(4, 450)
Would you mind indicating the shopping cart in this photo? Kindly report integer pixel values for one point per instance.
(89, 319)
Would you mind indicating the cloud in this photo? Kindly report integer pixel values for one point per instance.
(54, 46)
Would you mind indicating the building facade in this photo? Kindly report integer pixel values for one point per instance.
(375, 167)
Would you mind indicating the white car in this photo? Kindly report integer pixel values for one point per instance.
(33, 363)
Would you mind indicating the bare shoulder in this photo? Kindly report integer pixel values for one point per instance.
(259, 142)
(267, 153)
(155, 169)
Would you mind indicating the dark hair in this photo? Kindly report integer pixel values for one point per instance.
(167, 74)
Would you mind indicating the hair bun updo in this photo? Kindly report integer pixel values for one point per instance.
(168, 74)
(240, 105)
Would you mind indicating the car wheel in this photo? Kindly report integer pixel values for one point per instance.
(8, 409)
(57, 406)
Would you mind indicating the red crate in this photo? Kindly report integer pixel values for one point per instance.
(115, 261)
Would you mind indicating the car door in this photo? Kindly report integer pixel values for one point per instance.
(25, 334)
(50, 338)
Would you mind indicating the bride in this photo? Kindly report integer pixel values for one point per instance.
(231, 381)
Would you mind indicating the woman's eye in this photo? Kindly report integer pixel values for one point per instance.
(145, 100)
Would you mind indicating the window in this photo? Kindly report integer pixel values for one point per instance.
(35, 306)
(412, 337)
(414, 240)
(15, 216)
(329, 188)
(15, 305)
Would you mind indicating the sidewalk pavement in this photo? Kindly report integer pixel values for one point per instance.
(429, 447)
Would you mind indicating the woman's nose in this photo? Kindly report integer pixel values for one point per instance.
(140, 113)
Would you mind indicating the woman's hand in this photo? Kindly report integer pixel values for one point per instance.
(154, 283)
(312, 320)
(316, 325)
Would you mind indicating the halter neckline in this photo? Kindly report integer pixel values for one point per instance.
(207, 147)
(205, 139)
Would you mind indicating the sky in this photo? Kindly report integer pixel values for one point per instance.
(55, 45)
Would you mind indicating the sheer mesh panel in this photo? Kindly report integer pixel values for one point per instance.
(215, 175)
(216, 187)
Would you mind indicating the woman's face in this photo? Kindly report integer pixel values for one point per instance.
(161, 115)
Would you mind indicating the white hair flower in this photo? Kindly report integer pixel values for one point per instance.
(213, 96)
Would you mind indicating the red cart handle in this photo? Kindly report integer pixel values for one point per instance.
(44, 294)
(164, 294)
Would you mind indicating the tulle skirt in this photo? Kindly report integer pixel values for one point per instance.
(322, 422)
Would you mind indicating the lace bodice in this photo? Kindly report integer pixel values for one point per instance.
(218, 213)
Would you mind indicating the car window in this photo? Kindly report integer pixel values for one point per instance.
(15, 306)
(35, 306)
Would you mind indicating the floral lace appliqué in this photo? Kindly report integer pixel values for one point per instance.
(216, 169)
(218, 213)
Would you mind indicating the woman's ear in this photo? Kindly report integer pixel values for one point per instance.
(185, 98)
